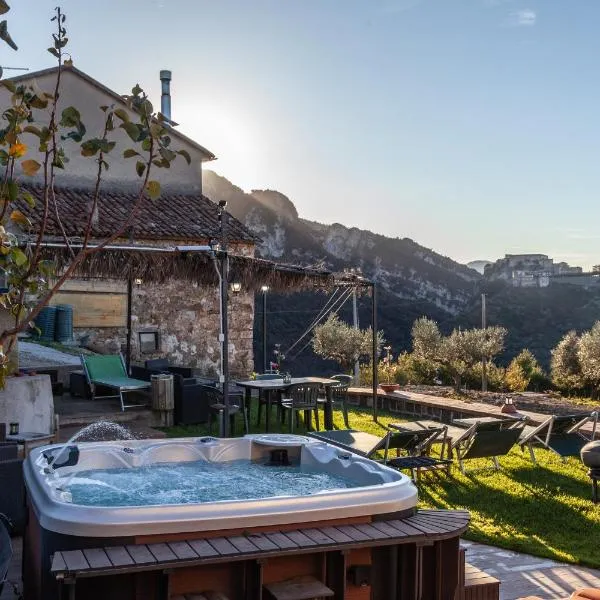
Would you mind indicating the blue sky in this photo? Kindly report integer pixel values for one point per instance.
(471, 126)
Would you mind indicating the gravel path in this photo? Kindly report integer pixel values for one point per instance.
(35, 356)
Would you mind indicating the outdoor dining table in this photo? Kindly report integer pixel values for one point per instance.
(279, 386)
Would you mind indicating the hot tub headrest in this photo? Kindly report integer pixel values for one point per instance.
(67, 457)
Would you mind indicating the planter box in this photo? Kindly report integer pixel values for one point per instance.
(389, 387)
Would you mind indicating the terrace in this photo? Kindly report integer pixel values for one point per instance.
(540, 513)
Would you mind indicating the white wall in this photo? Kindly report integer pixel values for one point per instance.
(87, 98)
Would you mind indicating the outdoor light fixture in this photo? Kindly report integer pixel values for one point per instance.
(265, 288)
(138, 281)
(236, 287)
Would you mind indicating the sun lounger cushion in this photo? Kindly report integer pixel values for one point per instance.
(108, 370)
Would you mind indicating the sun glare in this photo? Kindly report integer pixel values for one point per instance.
(228, 134)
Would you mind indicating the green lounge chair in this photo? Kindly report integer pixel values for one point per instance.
(561, 434)
(415, 443)
(489, 439)
(108, 370)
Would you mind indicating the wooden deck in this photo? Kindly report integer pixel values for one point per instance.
(425, 524)
(440, 408)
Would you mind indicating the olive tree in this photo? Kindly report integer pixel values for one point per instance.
(565, 366)
(589, 356)
(343, 343)
(33, 115)
(524, 371)
(458, 352)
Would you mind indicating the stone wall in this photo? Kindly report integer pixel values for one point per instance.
(186, 317)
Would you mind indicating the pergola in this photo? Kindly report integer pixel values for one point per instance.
(208, 266)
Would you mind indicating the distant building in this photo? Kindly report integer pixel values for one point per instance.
(528, 270)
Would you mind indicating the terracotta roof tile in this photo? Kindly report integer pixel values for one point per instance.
(172, 217)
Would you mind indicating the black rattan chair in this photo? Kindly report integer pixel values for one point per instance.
(301, 397)
(216, 403)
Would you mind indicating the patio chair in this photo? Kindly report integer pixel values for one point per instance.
(487, 440)
(6, 550)
(339, 394)
(416, 444)
(301, 397)
(109, 371)
(213, 397)
(561, 434)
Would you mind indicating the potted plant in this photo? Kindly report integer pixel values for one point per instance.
(387, 367)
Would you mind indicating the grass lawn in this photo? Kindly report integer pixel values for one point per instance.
(545, 510)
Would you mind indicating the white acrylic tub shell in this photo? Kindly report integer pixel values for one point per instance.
(384, 491)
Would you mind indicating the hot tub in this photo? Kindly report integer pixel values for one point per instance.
(146, 491)
(147, 487)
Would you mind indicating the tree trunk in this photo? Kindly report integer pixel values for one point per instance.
(457, 383)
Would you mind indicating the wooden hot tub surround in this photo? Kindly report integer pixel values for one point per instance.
(386, 557)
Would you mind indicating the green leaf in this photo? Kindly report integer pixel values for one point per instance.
(106, 146)
(10, 86)
(161, 163)
(130, 153)
(54, 52)
(132, 130)
(167, 154)
(146, 145)
(122, 114)
(153, 189)
(18, 217)
(29, 199)
(147, 107)
(30, 167)
(90, 147)
(37, 102)
(70, 117)
(4, 8)
(136, 90)
(19, 257)
(185, 155)
(140, 167)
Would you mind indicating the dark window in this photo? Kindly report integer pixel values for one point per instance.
(148, 341)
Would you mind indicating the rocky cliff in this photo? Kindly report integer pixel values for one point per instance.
(399, 265)
(413, 280)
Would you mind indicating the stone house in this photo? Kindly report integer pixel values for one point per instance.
(175, 319)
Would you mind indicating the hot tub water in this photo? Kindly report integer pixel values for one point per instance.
(197, 482)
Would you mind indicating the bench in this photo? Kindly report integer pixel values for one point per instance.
(437, 531)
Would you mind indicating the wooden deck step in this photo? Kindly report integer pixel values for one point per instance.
(479, 585)
(301, 588)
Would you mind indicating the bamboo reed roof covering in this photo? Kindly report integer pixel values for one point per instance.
(195, 264)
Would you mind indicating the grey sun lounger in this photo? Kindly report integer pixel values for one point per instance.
(415, 443)
(489, 439)
(562, 434)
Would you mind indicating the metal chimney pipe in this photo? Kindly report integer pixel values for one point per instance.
(165, 99)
